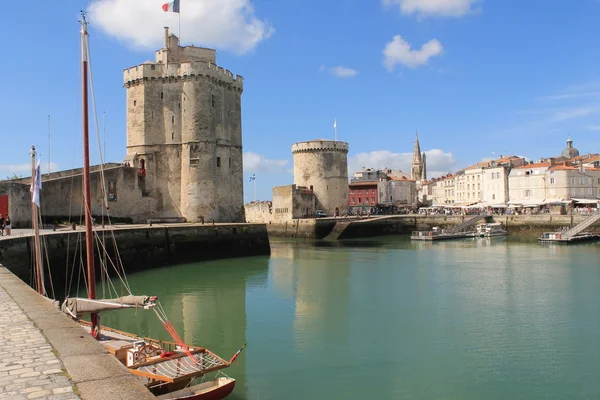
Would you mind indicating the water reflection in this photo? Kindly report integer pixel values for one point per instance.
(393, 319)
(206, 303)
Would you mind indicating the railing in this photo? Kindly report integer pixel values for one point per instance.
(581, 226)
(467, 224)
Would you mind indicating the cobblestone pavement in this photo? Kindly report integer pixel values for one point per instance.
(28, 367)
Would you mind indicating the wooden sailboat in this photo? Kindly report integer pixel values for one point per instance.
(166, 368)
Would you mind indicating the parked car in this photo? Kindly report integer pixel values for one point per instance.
(320, 214)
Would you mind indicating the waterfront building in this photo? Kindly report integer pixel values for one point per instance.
(370, 190)
(527, 184)
(443, 190)
(495, 180)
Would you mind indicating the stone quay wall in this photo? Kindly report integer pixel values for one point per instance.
(530, 226)
(141, 247)
(47, 355)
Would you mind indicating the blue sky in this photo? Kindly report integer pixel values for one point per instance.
(475, 78)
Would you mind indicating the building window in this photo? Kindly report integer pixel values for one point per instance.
(359, 200)
(391, 198)
(161, 95)
(551, 180)
(179, 105)
(218, 162)
(527, 193)
(493, 197)
(213, 100)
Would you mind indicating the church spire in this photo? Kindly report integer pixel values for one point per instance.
(417, 168)
(417, 151)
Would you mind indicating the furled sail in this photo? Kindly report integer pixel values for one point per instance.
(78, 306)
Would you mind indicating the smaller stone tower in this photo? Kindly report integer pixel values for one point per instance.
(322, 165)
(417, 168)
(424, 172)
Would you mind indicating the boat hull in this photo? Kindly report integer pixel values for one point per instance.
(217, 389)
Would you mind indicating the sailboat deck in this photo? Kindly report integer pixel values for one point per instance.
(181, 367)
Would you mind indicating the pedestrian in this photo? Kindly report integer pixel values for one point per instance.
(1, 225)
(7, 226)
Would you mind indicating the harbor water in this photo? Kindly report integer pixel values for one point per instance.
(388, 318)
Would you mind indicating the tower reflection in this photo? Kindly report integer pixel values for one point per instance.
(206, 302)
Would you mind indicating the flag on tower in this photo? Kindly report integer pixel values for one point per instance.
(253, 177)
(36, 185)
(172, 6)
(335, 123)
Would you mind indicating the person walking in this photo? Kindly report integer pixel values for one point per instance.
(1, 225)
(7, 226)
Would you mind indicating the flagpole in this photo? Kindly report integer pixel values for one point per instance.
(49, 144)
(254, 189)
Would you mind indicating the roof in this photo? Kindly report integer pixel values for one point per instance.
(368, 183)
(534, 165)
(401, 178)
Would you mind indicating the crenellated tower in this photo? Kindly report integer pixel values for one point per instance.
(184, 133)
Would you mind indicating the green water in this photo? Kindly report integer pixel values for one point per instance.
(391, 319)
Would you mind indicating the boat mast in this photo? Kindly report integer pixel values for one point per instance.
(39, 272)
(89, 249)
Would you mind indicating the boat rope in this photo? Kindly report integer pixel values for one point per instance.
(164, 320)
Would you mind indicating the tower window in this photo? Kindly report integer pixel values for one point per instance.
(161, 95)
(172, 135)
(179, 106)
(213, 100)
(219, 162)
(173, 119)
(229, 162)
(134, 103)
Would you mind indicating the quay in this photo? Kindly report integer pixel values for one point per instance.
(45, 355)
(140, 246)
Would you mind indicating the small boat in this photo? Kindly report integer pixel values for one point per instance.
(489, 230)
(560, 237)
(216, 389)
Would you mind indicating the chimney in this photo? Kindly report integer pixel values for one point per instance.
(552, 161)
(166, 37)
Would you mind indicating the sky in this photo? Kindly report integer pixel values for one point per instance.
(476, 78)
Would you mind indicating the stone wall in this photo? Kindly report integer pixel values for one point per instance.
(19, 203)
(141, 248)
(184, 124)
(259, 212)
(322, 166)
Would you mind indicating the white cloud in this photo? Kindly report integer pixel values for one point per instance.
(569, 96)
(23, 170)
(439, 162)
(442, 8)
(398, 51)
(340, 71)
(254, 162)
(593, 128)
(563, 115)
(224, 24)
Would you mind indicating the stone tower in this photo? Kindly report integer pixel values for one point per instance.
(322, 165)
(417, 169)
(424, 172)
(184, 133)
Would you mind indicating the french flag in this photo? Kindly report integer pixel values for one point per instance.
(172, 6)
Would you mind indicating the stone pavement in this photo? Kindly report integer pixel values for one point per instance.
(29, 369)
(46, 355)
